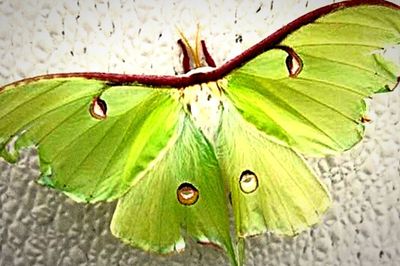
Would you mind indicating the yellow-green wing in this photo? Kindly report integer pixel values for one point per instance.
(182, 194)
(93, 138)
(100, 141)
(272, 188)
(309, 93)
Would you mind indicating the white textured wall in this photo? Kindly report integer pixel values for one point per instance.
(39, 226)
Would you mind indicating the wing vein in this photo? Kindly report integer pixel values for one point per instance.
(273, 156)
(350, 65)
(323, 104)
(287, 135)
(309, 121)
(116, 147)
(76, 167)
(281, 201)
(331, 84)
(290, 107)
(59, 124)
(73, 140)
(337, 44)
(352, 24)
(33, 98)
(52, 109)
(307, 196)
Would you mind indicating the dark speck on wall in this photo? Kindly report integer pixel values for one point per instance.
(238, 38)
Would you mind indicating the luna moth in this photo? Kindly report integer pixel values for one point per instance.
(175, 151)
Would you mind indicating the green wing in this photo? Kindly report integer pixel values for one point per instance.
(152, 216)
(271, 186)
(320, 110)
(101, 142)
(306, 95)
(88, 158)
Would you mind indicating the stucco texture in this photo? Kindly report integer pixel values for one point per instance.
(39, 226)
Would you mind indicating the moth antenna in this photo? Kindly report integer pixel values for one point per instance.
(191, 52)
(210, 61)
(186, 59)
(197, 57)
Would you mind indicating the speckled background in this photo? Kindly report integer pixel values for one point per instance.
(41, 227)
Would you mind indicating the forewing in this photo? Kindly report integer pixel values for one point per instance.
(90, 158)
(320, 110)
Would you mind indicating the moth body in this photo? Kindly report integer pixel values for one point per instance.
(203, 102)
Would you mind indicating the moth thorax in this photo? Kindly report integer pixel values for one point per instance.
(203, 103)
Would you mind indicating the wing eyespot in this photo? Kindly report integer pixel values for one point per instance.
(187, 194)
(248, 181)
(98, 108)
(293, 61)
(294, 65)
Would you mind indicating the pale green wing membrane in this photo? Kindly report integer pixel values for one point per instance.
(313, 100)
(183, 193)
(99, 142)
(271, 186)
(91, 149)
